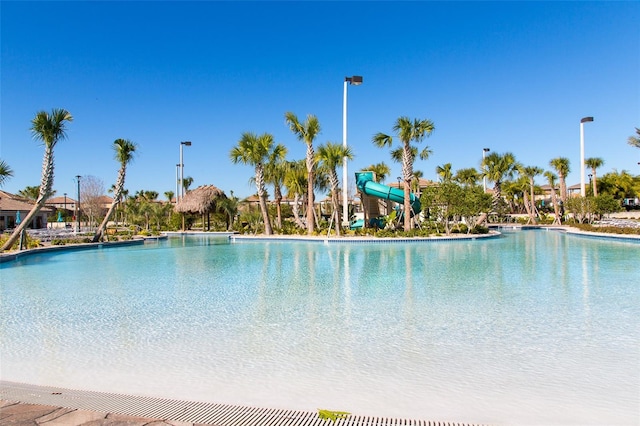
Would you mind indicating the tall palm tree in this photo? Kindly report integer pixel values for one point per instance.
(551, 180)
(530, 173)
(594, 163)
(254, 150)
(562, 166)
(330, 157)
(169, 195)
(48, 128)
(295, 181)
(498, 167)
(445, 172)
(408, 131)
(5, 172)
(306, 132)
(124, 151)
(274, 172)
(635, 140)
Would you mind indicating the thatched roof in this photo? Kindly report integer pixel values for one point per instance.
(200, 200)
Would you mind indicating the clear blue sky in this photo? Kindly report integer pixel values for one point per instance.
(510, 76)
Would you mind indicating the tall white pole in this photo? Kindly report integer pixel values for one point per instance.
(181, 173)
(345, 195)
(177, 181)
(582, 183)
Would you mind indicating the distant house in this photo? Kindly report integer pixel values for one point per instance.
(14, 209)
(62, 203)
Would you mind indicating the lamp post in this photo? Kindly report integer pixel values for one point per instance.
(65, 209)
(177, 182)
(185, 143)
(78, 206)
(582, 183)
(355, 80)
(399, 179)
(484, 178)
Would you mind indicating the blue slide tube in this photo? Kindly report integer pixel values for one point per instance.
(365, 183)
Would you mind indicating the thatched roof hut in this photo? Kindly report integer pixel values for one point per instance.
(200, 200)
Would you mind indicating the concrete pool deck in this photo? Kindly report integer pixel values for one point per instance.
(22, 404)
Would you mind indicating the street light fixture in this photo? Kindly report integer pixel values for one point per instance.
(484, 178)
(185, 143)
(355, 80)
(399, 179)
(78, 206)
(582, 183)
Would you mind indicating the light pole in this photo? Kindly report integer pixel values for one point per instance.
(484, 178)
(177, 182)
(355, 80)
(187, 143)
(582, 183)
(78, 206)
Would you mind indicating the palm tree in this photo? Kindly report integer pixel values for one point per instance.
(551, 180)
(467, 177)
(498, 167)
(445, 172)
(5, 172)
(562, 168)
(229, 206)
(306, 132)
(169, 195)
(381, 171)
(530, 173)
(49, 128)
(594, 163)
(254, 150)
(330, 156)
(30, 192)
(295, 181)
(124, 151)
(407, 131)
(635, 140)
(274, 172)
(186, 183)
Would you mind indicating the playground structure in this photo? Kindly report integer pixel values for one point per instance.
(373, 192)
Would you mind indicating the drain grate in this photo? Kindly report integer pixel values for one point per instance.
(185, 411)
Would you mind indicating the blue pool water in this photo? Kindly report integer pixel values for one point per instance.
(536, 327)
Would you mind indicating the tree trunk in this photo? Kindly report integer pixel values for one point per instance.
(296, 211)
(556, 208)
(310, 195)
(407, 173)
(334, 201)
(46, 183)
(116, 200)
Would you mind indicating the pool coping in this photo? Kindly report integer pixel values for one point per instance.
(235, 237)
(65, 402)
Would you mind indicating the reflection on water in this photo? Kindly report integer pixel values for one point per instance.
(532, 328)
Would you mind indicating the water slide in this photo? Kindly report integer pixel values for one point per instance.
(366, 184)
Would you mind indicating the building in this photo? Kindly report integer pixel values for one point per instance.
(13, 209)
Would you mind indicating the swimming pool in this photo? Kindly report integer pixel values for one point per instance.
(537, 327)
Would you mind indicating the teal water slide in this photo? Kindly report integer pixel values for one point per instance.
(366, 184)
